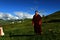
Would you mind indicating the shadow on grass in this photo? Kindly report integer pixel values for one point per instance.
(20, 35)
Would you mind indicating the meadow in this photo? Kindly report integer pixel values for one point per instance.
(25, 31)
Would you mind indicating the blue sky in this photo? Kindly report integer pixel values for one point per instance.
(45, 7)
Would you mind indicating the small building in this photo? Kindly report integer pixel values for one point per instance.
(19, 21)
(12, 22)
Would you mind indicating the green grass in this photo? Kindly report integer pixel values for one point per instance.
(26, 28)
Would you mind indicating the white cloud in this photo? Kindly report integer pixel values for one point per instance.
(19, 15)
(22, 15)
(28, 15)
(7, 16)
(1, 15)
(15, 17)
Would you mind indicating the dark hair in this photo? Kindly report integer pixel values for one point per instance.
(36, 11)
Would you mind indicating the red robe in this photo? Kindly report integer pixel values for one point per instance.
(37, 21)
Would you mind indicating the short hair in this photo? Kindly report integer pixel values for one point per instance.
(36, 11)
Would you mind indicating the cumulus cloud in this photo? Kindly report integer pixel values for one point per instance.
(1, 15)
(7, 16)
(18, 15)
(23, 15)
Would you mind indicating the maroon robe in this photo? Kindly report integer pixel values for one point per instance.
(37, 21)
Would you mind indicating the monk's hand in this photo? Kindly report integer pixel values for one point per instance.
(39, 23)
(33, 24)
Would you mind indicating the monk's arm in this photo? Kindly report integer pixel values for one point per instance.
(40, 22)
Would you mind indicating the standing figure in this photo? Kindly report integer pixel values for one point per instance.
(37, 23)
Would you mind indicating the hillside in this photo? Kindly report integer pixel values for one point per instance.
(54, 17)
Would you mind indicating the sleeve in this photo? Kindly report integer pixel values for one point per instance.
(40, 20)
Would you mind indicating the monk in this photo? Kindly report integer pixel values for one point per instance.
(37, 22)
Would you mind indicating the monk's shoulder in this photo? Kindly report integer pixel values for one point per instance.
(34, 16)
(39, 16)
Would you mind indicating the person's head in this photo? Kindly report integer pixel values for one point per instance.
(36, 12)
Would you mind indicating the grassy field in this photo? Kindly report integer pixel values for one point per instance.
(25, 30)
